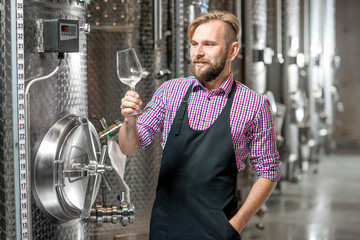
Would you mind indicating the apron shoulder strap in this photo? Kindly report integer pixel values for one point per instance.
(181, 112)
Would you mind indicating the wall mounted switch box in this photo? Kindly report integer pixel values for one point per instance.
(61, 35)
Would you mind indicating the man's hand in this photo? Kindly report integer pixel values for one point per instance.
(128, 135)
(130, 104)
(258, 195)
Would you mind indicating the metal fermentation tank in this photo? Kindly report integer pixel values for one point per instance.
(64, 93)
(323, 65)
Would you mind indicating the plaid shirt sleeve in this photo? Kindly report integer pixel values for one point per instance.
(150, 124)
(263, 154)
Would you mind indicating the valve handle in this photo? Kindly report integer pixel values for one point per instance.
(106, 180)
(102, 168)
(95, 168)
(92, 173)
(103, 154)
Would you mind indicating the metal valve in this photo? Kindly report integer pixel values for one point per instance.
(111, 131)
(124, 214)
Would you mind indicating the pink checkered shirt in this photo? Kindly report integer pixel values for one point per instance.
(251, 121)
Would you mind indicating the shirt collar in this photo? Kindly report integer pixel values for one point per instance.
(225, 86)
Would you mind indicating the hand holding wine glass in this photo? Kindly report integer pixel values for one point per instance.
(129, 70)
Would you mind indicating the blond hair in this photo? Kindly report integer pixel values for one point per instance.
(232, 23)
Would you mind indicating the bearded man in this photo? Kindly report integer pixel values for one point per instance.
(209, 125)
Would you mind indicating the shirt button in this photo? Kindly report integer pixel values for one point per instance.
(208, 98)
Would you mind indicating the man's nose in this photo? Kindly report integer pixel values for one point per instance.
(199, 51)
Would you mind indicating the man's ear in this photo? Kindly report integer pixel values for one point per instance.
(234, 50)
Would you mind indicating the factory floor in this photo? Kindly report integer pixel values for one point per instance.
(324, 205)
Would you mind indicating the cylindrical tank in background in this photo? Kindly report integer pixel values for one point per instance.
(255, 21)
(274, 75)
(290, 86)
(331, 61)
(316, 83)
(274, 41)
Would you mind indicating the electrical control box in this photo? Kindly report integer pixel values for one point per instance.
(61, 35)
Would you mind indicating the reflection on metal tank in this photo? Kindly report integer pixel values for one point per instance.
(274, 41)
(290, 86)
(64, 93)
(274, 75)
(329, 54)
(324, 98)
(257, 55)
(117, 25)
(331, 63)
(316, 79)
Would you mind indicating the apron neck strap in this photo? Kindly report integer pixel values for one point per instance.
(182, 110)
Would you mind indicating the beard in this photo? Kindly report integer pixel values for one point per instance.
(211, 71)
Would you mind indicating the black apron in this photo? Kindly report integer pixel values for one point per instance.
(196, 192)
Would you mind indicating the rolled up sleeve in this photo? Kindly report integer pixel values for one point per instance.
(264, 156)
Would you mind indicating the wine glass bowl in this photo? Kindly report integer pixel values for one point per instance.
(128, 66)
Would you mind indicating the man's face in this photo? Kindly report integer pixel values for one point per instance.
(209, 51)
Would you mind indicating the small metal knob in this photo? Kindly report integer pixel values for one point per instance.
(85, 28)
(162, 73)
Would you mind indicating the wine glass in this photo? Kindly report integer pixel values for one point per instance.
(129, 69)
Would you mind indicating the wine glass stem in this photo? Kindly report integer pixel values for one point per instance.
(132, 89)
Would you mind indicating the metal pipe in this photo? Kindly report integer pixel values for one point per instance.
(306, 30)
(27, 107)
(238, 7)
(27, 122)
(157, 24)
(34, 80)
(328, 54)
(279, 31)
(179, 38)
